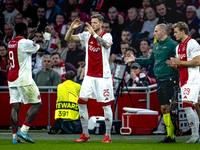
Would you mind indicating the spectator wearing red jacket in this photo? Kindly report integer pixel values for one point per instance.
(136, 78)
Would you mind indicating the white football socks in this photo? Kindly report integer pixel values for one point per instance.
(24, 128)
(108, 119)
(83, 113)
(191, 117)
(15, 136)
(196, 120)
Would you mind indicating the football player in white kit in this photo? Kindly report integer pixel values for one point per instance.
(97, 83)
(22, 88)
(187, 60)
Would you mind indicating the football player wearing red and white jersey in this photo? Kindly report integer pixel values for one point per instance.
(97, 83)
(22, 88)
(187, 60)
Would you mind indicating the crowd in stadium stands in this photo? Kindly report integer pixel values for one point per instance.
(131, 26)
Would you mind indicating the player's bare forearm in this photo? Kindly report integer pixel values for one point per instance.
(104, 43)
(44, 46)
(68, 35)
(31, 34)
(192, 63)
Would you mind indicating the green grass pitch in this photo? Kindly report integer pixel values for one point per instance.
(44, 141)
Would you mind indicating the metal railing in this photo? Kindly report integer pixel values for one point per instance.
(148, 90)
(50, 89)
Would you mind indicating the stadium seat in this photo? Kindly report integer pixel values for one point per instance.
(103, 14)
(83, 16)
(126, 17)
(121, 13)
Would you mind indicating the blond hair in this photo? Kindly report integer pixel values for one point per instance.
(182, 26)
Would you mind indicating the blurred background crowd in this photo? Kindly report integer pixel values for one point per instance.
(131, 24)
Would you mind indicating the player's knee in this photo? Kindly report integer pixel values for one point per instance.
(107, 109)
(16, 106)
(40, 105)
(162, 107)
(165, 109)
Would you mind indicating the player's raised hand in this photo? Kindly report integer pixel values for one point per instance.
(120, 19)
(47, 29)
(129, 59)
(132, 75)
(32, 33)
(75, 24)
(90, 29)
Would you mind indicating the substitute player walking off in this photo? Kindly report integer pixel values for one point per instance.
(97, 83)
(187, 60)
(22, 88)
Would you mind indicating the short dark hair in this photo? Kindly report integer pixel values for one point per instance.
(55, 53)
(76, 11)
(124, 42)
(41, 6)
(13, 1)
(132, 49)
(96, 10)
(126, 30)
(98, 16)
(20, 28)
(2, 44)
(147, 40)
(159, 2)
(61, 14)
(51, 24)
(80, 57)
(107, 21)
(39, 31)
(70, 75)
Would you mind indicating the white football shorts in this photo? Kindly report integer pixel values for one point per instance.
(100, 89)
(190, 92)
(28, 94)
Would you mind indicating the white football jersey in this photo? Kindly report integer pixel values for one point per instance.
(186, 51)
(97, 57)
(20, 52)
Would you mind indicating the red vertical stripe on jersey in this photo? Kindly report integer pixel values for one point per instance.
(182, 55)
(13, 58)
(95, 59)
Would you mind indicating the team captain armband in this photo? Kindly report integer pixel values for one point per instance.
(47, 36)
